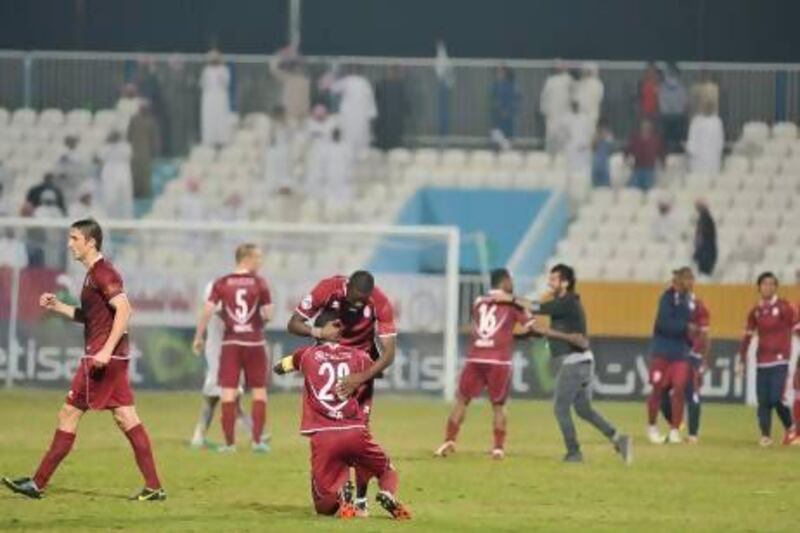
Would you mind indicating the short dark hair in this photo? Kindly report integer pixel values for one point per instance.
(362, 281)
(766, 275)
(325, 316)
(497, 276)
(566, 273)
(90, 230)
(244, 250)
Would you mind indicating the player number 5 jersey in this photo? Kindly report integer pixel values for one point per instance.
(240, 297)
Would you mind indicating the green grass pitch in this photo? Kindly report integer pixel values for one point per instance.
(726, 483)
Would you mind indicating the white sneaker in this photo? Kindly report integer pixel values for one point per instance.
(674, 437)
(654, 435)
(692, 439)
(765, 442)
(445, 449)
(498, 454)
(362, 510)
(227, 449)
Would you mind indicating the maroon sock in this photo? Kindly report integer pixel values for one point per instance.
(259, 414)
(143, 452)
(229, 421)
(499, 439)
(452, 430)
(59, 448)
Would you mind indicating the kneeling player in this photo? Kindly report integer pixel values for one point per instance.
(337, 428)
(494, 324)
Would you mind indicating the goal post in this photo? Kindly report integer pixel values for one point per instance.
(166, 265)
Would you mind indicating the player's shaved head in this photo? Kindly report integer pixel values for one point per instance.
(90, 230)
(246, 250)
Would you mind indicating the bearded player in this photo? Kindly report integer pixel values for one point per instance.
(365, 320)
(101, 380)
(337, 427)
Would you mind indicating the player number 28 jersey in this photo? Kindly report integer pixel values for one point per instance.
(322, 366)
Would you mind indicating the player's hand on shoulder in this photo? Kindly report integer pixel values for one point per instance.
(48, 301)
(197, 346)
(331, 331)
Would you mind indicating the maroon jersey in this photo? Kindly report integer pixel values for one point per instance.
(240, 297)
(701, 317)
(493, 324)
(322, 365)
(359, 325)
(102, 284)
(773, 321)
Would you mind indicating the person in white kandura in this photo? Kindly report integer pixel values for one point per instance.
(211, 388)
(215, 106)
(319, 133)
(357, 110)
(589, 92)
(554, 104)
(115, 177)
(705, 142)
(579, 133)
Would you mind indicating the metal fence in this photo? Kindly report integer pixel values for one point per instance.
(68, 80)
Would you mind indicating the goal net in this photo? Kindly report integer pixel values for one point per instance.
(167, 265)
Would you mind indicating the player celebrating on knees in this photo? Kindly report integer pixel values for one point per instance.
(211, 389)
(669, 366)
(337, 427)
(365, 321)
(243, 300)
(101, 380)
(773, 320)
(488, 365)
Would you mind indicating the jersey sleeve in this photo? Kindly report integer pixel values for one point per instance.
(790, 315)
(264, 295)
(384, 316)
(215, 294)
(702, 317)
(109, 282)
(297, 358)
(315, 300)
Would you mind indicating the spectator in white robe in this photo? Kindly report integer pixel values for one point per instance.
(589, 92)
(554, 104)
(319, 132)
(116, 181)
(705, 142)
(579, 129)
(339, 164)
(215, 106)
(12, 250)
(85, 205)
(278, 160)
(191, 205)
(128, 104)
(357, 110)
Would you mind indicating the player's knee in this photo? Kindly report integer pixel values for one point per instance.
(326, 505)
(68, 418)
(126, 419)
(260, 394)
(228, 395)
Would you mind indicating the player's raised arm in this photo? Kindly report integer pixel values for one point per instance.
(51, 302)
(298, 325)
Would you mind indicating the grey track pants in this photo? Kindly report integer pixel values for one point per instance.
(574, 388)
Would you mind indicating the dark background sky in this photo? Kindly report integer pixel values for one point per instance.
(716, 30)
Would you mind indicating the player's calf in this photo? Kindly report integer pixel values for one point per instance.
(393, 506)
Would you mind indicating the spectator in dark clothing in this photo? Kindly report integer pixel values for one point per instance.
(145, 140)
(673, 102)
(602, 146)
(46, 190)
(645, 150)
(393, 108)
(150, 89)
(505, 103)
(705, 240)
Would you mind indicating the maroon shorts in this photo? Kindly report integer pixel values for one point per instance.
(332, 455)
(237, 358)
(666, 374)
(104, 388)
(477, 376)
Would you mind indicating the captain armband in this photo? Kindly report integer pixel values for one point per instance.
(284, 366)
